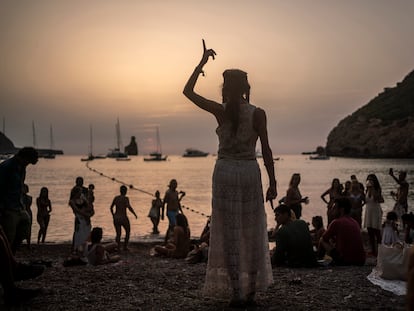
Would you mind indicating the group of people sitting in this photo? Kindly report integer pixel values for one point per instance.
(297, 246)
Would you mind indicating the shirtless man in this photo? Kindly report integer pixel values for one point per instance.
(401, 203)
(172, 199)
(121, 202)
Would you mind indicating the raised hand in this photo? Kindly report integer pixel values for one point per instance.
(206, 54)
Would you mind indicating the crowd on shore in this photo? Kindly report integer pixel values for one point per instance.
(297, 245)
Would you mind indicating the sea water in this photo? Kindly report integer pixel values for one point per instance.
(194, 177)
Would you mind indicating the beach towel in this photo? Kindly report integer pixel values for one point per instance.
(395, 286)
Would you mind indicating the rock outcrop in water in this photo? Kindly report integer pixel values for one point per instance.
(132, 148)
(383, 128)
(6, 145)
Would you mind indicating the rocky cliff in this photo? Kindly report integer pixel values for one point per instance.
(383, 128)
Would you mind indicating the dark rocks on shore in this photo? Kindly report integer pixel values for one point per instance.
(383, 128)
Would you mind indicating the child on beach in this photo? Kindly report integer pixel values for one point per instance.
(154, 213)
(389, 229)
(98, 253)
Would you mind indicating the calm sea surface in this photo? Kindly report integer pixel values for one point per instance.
(194, 177)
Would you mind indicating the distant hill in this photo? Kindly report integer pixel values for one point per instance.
(383, 128)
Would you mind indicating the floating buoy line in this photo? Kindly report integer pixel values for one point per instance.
(132, 187)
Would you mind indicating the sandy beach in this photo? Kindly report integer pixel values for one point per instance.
(142, 282)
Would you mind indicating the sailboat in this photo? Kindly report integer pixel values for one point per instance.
(50, 154)
(156, 155)
(90, 153)
(116, 153)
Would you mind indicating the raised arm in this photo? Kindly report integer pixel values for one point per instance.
(211, 106)
(260, 125)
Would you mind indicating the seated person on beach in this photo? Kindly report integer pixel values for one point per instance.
(180, 244)
(408, 224)
(199, 248)
(410, 281)
(98, 253)
(317, 231)
(342, 239)
(272, 232)
(390, 234)
(293, 241)
(12, 271)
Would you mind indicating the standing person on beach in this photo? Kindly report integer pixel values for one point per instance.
(121, 220)
(79, 183)
(172, 200)
(83, 212)
(44, 208)
(373, 212)
(84, 191)
(333, 193)
(401, 196)
(10, 271)
(357, 198)
(238, 260)
(13, 215)
(293, 197)
(155, 212)
(27, 201)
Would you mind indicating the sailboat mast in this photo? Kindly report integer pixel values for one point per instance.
(118, 135)
(90, 140)
(158, 141)
(52, 143)
(34, 134)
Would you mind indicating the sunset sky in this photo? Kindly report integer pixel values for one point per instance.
(72, 64)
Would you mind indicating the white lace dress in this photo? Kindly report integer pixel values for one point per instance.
(373, 213)
(238, 260)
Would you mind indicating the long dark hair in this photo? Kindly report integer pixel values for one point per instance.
(235, 88)
(182, 222)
